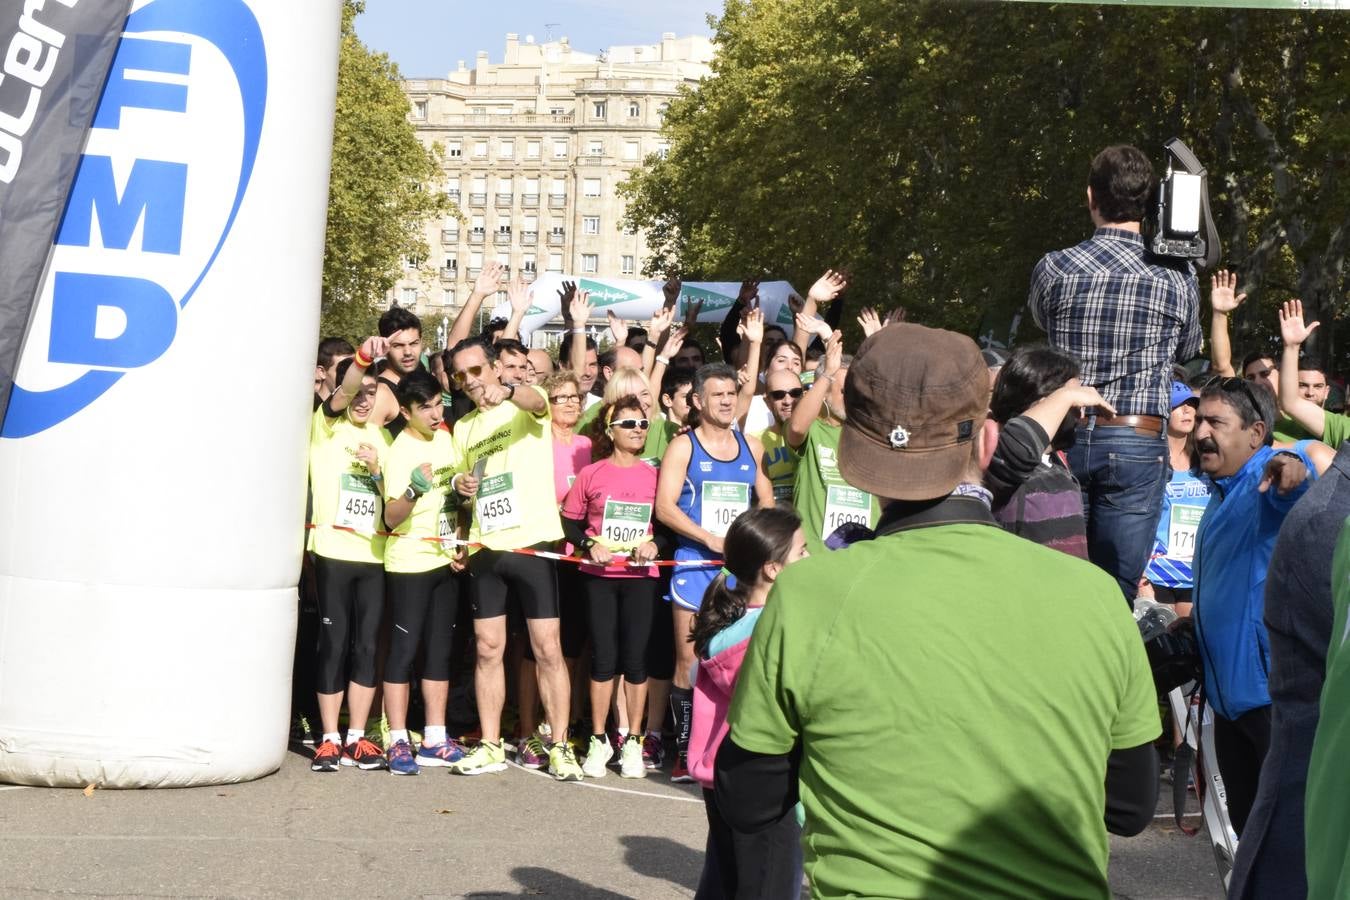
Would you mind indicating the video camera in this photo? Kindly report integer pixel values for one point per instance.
(1180, 225)
(1172, 652)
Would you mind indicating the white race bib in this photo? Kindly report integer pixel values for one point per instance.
(1183, 526)
(625, 525)
(845, 504)
(496, 504)
(358, 503)
(720, 503)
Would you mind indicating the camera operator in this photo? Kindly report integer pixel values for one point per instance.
(1127, 314)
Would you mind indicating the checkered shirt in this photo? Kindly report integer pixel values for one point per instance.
(1124, 312)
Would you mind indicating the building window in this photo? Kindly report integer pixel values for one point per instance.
(663, 150)
(555, 262)
(556, 111)
(528, 263)
(634, 109)
(419, 109)
(628, 265)
(590, 187)
(590, 224)
(590, 263)
(476, 259)
(476, 224)
(480, 149)
(506, 150)
(532, 150)
(455, 149)
(631, 150)
(504, 228)
(558, 188)
(598, 108)
(560, 149)
(447, 298)
(407, 297)
(661, 111)
(595, 148)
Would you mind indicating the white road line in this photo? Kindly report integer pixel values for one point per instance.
(601, 787)
(1194, 815)
(13, 787)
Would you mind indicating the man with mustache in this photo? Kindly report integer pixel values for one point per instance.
(1254, 488)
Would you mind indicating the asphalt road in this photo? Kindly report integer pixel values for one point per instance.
(368, 834)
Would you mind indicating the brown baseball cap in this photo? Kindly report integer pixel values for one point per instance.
(915, 398)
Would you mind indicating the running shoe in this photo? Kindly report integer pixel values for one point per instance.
(562, 762)
(400, 757)
(631, 763)
(486, 758)
(615, 740)
(531, 753)
(382, 729)
(679, 773)
(443, 754)
(653, 751)
(598, 753)
(326, 757)
(302, 731)
(364, 754)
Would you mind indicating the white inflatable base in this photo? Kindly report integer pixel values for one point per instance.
(123, 686)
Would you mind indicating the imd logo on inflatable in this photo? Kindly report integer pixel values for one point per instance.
(165, 170)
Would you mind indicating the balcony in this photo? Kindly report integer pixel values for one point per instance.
(502, 239)
(449, 235)
(557, 201)
(555, 238)
(453, 194)
(529, 201)
(478, 199)
(528, 274)
(475, 237)
(529, 238)
(473, 272)
(503, 201)
(449, 276)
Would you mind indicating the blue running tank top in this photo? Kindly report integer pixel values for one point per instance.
(1184, 504)
(715, 492)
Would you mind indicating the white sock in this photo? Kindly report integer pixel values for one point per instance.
(623, 733)
(396, 735)
(354, 735)
(433, 734)
(332, 736)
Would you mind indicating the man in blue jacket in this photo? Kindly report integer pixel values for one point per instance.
(1255, 486)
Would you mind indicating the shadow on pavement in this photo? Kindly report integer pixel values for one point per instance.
(537, 882)
(658, 857)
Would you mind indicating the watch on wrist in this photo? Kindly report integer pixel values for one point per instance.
(411, 495)
(510, 391)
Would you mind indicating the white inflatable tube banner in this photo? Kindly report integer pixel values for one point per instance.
(153, 453)
(634, 300)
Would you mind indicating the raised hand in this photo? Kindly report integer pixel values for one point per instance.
(374, 347)
(1292, 328)
(660, 322)
(749, 294)
(675, 341)
(691, 313)
(834, 353)
(565, 295)
(812, 325)
(751, 327)
(617, 327)
(795, 303)
(671, 291)
(579, 308)
(489, 279)
(827, 287)
(870, 322)
(1222, 288)
(899, 314)
(518, 294)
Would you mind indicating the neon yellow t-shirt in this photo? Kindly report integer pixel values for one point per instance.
(344, 492)
(516, 504)
(780, 465)
(406, 551)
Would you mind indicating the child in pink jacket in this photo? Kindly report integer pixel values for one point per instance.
(756, 548)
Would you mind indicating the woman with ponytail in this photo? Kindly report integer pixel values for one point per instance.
(758, 545)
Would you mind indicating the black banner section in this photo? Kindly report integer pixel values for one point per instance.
(54, 58)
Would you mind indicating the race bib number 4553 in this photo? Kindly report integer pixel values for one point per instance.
(497, 505)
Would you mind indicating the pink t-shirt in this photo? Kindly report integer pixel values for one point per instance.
(616, 503)
(568, 460)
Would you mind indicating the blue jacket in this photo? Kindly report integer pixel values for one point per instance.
(1233, 549)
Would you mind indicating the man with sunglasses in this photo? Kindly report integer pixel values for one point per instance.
(1255, 486)
(1127, 315)
(508, 440)
(823, 498)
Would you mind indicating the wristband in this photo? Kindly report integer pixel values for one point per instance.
(510, 391)
(651, 344)
(362, 360)
(419, 482)
(378, 476)
(411, 495)
(664, 360)
(1290, 453)
(578, 330)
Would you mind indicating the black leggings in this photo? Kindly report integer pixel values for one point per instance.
(351, 600)
(766, 864)
(661, 643)
(620, 615)
(422, 607)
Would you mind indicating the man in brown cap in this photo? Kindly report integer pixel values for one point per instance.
(911, 685)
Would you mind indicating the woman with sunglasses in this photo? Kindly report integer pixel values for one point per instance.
(783, 388)
(607, 515)
(571, 453)
(632, 383)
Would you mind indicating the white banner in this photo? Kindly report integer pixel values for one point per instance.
(635, 301)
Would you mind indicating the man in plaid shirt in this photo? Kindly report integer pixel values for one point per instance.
(1127, 315)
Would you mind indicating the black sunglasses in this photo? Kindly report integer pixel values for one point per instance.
(475, 371)
(794, 393)
(1231, 384)
(631, 423)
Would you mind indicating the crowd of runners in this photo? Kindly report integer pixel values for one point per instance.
(603, 541)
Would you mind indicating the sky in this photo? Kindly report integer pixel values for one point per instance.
(428, 37)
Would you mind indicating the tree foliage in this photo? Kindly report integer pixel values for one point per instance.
(382, 190)
(938, 149)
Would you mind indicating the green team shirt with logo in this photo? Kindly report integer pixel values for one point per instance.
(824, 499)
(516, 505)
(1327, 818)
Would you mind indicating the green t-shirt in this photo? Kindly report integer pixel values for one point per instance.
(823, 498)
(1287, 431)
(1327, 818)
(1335, 429)
(659, 434)
(977, 655)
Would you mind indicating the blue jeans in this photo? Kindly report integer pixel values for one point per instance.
(1123, 475)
